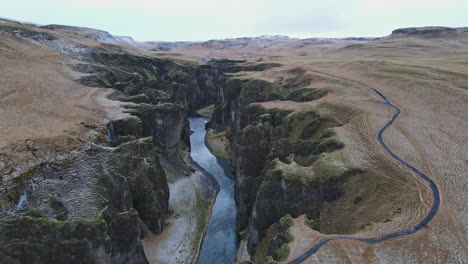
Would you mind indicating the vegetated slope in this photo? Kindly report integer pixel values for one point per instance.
(85, 178)
(424, 75)
(81, 174)
(289, 160)
(303, 147)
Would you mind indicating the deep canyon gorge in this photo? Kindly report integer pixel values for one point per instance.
(237, 151)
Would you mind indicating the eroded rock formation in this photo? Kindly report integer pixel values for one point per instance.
(89, 205)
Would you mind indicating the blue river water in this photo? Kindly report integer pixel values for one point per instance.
(220, 243)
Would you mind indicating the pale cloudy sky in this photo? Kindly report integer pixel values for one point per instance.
(214, 19)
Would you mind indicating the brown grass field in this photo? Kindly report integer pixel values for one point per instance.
(426, 77)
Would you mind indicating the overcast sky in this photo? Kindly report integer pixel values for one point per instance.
(172, 20)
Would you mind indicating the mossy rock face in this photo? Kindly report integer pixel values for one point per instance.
(230, 66)
(232, 89)
(254, 91)
(267, 134)
(60, 211)
(252, 153)
(119, 180)
(128, 180)
(24, 31)
(291, 189)
(26, 239)
(167, 123)
(274, 246)
(305, 94)
(318, 128)
(140, 166)
(138, 99)
(38, 240)
(273, 120)
(259, 136)
(423, 30)
(124, 130)
(142, 79)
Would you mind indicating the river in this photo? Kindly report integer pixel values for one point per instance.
(220, 243)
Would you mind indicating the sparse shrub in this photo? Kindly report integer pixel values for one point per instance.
(282, 253)
(311, 223)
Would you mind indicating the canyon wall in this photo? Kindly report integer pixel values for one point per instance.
(288, 162)
(90, 204)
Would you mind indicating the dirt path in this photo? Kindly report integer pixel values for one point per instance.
(432, 185)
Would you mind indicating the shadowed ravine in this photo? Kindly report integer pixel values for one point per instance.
(435, 190)
(220, 242)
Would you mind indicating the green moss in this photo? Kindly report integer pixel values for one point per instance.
(282, 253)
(60, 212)
(311, 223)
(325, 173)
(405, 70)
(9, 260)
(253, 133)
(168, 106)
(335, 157)
(305, 94)
(218, 144)
(341, 113)
(324, 169)
(206, 111)
(326, 133)
(32, 212)
(298, 120)
(275, 243)
(203, 218)
(285, 222)
(330, 144)
(305, 160)
(123, 97)
(254, 90)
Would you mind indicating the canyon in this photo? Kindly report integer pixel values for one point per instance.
(104, 157)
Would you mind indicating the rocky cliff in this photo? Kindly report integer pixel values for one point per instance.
(287, 161)
(90, 204)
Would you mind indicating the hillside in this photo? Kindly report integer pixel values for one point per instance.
(95, 146)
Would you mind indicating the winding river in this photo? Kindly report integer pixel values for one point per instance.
(432, 185)
(220, 243)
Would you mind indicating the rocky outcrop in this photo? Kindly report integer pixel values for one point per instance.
(169, 122)
(295, 192)
(124, 130)
(138, 162)
(434, 32)
(276, 155)
(151, 80)
(26, 32)
(121, 178)
(30, 237)
(106, 196)
(423, 30)
(275, 246)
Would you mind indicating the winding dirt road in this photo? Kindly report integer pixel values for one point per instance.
(435, 190)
